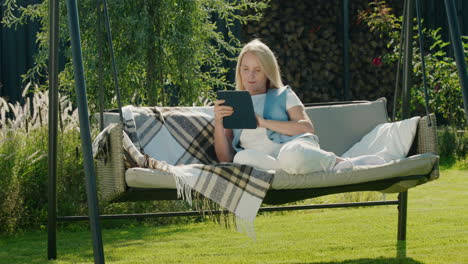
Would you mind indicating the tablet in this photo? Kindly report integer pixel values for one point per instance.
(244, 115)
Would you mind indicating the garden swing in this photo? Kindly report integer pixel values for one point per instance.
(114, 179)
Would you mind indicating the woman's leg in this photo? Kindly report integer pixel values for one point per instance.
(256, 159)
(303, 155)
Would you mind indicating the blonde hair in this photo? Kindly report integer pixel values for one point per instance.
(267, 61)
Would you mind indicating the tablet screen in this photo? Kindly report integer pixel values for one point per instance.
(244, 115)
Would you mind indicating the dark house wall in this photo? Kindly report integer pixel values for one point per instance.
(17, 47)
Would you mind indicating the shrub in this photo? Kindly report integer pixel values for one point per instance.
(24, 171)
(453, 146)
(23, 160)
(443, 84)
(447, 142)
(462, 145)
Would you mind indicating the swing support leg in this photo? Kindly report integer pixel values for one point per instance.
(407, 82)
(402, 219)
(53, 116)
(402, 215)
(85, 133)
(456, 43)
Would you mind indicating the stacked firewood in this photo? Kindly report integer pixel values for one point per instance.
(306, 37)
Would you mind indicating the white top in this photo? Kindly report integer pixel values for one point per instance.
(257, 139)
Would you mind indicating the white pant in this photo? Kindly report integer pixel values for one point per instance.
(299, 156)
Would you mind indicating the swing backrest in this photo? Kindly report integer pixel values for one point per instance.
(340, 126)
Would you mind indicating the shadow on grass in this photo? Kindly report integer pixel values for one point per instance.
(76, 247)
(399, 259)
(371, 261)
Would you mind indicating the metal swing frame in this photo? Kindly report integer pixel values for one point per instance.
(94, 216)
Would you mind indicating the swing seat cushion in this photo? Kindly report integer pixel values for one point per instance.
(338, 127)
(421, 164)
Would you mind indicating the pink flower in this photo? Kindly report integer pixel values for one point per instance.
(314, 29)
(377, 61)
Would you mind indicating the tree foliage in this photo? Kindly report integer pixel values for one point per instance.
(163, 48)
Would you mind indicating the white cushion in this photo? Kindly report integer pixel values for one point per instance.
(390, 141)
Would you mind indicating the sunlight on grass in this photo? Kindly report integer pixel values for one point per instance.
(437, 233)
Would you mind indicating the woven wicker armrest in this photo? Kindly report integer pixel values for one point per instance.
(111, 172)
(426, 141)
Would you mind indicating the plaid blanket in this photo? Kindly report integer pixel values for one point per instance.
(180, 140)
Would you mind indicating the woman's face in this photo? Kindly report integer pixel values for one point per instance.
(253, 78)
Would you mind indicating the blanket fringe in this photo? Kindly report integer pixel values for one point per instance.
(247, 227)
(101, 145)
(184, 191)
(213, 211)
(209, 209)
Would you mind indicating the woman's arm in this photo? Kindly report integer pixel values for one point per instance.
(298, 123)
(222, 137)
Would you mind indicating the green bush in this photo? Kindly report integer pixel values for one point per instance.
(453, 146)
(442, 77)
(24, 171)
(447, 142)
(24, 174)
(462, 145)
(23, 161)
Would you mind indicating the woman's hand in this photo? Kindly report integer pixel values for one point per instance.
(298, 123)
(260, 121)
(223, 137)
(221, 111)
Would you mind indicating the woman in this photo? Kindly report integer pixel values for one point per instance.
(284, 137)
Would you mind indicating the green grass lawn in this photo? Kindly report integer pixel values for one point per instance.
(437, 233)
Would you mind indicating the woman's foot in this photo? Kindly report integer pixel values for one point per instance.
(342, 164)
(345, 163)
(367, 160)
